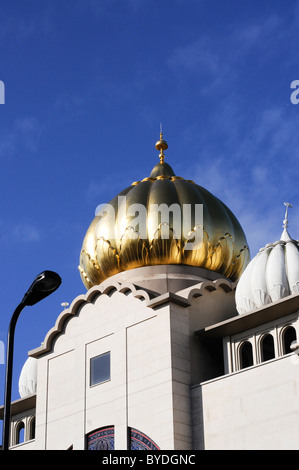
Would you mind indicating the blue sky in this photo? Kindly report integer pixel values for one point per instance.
(87, 84)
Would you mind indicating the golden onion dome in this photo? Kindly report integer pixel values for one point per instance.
(163, 219)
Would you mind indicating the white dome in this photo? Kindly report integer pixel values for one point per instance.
(271, 275)
(28, 378)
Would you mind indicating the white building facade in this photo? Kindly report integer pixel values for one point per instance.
(158, 357)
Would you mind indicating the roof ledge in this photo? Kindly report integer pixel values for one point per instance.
(20, 406)
(244, 322)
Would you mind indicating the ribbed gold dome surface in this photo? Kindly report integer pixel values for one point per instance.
(112, 245)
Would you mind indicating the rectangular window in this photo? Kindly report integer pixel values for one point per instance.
(100, 369)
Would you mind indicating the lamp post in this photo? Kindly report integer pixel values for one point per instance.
(43, 285)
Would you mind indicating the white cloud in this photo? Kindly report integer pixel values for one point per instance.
(257, 33)
(26, 232)
(20, 28)
(24, 132)
(22, 232)
(252, 172)
(219, 62)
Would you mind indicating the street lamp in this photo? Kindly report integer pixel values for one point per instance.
(43, 285)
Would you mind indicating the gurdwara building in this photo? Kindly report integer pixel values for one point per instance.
(180, 342)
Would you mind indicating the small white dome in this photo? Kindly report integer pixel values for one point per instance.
(28, 378)
(271, 275)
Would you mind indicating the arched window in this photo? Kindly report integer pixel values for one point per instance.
(267, 348)
(101, 439)
(20, 432)
(246, 355)
(289, 335)
(32, 428)
(140, 441)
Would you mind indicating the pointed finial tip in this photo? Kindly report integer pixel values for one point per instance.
(285, 234)
(285, 222)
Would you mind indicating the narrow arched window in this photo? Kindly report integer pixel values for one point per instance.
(32, 429)
(246, 355)
(20, 432)
(289, 335)
(267, 348)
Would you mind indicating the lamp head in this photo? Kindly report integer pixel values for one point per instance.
(43, 285)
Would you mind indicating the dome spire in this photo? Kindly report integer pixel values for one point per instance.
(285, 235)
(161, 168)
(161, 145)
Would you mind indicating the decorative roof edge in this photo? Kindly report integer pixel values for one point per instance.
(89, 297)
(152, 300)
(207, 286)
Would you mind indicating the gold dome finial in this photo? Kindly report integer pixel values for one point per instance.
(161, 145)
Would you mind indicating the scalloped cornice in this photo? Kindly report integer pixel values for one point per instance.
(152, 300)
(89, 297)
(207, 286)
